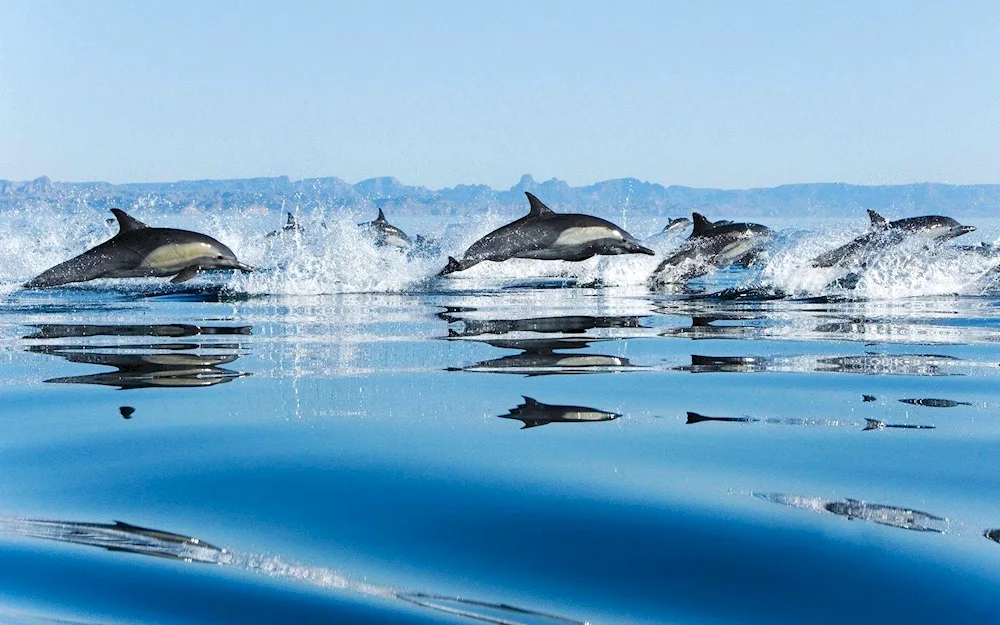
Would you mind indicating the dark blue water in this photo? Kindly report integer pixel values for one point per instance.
(368, 458)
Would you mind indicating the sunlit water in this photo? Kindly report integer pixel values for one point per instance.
(342, 437)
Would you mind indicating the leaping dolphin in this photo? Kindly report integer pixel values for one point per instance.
(386, 233)
(885, 233)
(140, 251)
(543, 234)
(710, 246)
(675, 224)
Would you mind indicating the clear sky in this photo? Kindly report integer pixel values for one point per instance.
(721, 94)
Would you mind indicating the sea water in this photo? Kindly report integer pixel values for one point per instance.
(342, 437)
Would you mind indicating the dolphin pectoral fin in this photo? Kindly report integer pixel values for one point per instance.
(185, 274)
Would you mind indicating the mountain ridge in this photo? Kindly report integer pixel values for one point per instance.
(631, 194)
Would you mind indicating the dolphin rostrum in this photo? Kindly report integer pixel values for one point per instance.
(140, 251)
(885, 233)
(710, 246)
(387, 234)
(543, 234)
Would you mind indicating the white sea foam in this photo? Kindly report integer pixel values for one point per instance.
(332, 254)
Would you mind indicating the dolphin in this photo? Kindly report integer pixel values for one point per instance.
(290, 226)
(675, 224)
(138, 251)
(387, 234)
(993, 535)
(710, 246)
(534, 413)
(543, 234)
(885, 233)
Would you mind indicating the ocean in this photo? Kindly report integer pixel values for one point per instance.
(342, 437)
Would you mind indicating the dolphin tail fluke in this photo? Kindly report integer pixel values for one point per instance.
(456, 265)
(694, 417)
(873, 424)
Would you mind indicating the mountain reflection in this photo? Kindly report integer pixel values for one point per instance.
(903, 518)
(149, 365)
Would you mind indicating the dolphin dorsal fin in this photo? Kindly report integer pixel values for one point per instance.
(381, 216)
(701, 225)
(126, 223)
(537, 208)
(529, 401)
(290, 222)
(878, 221)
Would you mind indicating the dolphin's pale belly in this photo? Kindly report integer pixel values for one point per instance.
(590, 360)
(735, 250)
(173, 257)
(584, 415)
(580, 243)
(586, 235)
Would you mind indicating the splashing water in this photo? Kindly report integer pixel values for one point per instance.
(331, 254)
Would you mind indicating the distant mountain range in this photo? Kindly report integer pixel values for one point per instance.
(608, 197)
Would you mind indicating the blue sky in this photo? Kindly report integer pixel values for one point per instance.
(720, 94)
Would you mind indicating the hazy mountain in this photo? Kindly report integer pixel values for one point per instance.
(609, 196)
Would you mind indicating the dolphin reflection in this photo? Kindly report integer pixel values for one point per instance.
(147, 365)
(903, 518)
(133, 539)
(534, 413)
(548, 357)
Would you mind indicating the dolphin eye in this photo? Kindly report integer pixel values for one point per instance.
(220, 257)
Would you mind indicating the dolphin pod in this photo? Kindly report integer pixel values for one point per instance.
(712, 245)
(543, 234)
